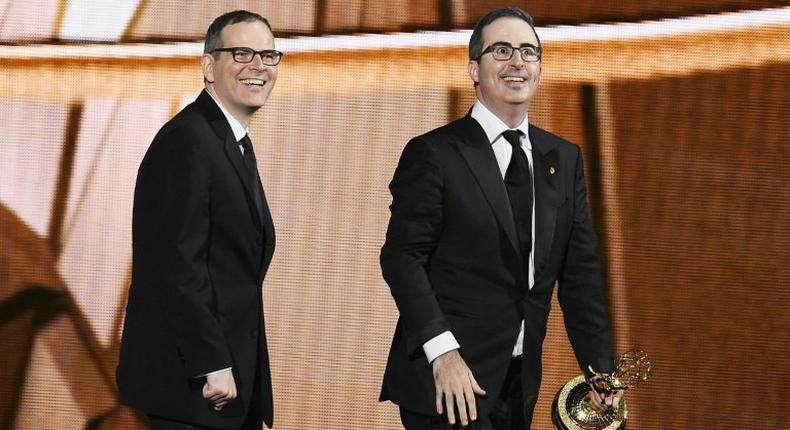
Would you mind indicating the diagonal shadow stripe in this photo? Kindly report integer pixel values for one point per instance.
(41, 305)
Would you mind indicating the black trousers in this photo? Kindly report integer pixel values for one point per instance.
(507, 413)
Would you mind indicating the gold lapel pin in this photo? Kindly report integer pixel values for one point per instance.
(552, 170)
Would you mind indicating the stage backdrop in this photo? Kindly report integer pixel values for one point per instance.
(683, 124)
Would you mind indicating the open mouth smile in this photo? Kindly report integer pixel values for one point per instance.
(253, 81)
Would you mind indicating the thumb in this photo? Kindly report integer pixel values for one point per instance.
(207, 389)
(475, 387)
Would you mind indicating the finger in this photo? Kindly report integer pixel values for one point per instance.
(448, 399)
(460, 403)
(216, 394)
(596, 401)
(210, 392)
(471, 403)
(475, 387)
(439, 409)
(618, 398)
(216, 397)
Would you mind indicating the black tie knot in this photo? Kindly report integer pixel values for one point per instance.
(514, 137)
(247, 154)
(245, 143)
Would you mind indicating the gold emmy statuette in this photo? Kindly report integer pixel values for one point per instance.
(572, 408)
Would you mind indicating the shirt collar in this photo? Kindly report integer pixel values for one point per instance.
(239, 131)
(493, 126)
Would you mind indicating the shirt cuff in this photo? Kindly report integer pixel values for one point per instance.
(214, 372)
(518, 349)
(442, 343)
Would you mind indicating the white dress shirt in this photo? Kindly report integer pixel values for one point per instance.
(239, 131)
(493, 128)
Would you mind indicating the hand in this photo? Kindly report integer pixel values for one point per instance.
(605, 401)
(455, 383)
(220, 388)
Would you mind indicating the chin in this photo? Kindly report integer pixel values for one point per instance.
(257, 102)
(518, 100)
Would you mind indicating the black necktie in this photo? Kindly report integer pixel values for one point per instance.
(519, 189)
(252, 172)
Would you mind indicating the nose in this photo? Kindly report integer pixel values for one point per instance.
(257, 61)
(516, 60)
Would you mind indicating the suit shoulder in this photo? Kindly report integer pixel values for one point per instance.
(189, 130)
(187, 134)
(432, 146)
(190, 122)
(445, 137)
(552, 139)
(449, 131)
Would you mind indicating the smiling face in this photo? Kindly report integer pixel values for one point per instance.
(241, 88)
(506, 87)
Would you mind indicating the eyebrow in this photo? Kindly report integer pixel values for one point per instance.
(508, 44)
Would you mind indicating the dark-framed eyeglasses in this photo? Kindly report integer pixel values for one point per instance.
(504, 51)
(269, 57)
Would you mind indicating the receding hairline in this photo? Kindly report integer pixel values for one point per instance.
(214, 31)
(476, 40)
(508, 17)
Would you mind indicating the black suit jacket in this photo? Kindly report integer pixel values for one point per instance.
(452, 261)
(200, 252)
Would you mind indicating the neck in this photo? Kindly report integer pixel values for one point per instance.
(511, 115)
(242, 117)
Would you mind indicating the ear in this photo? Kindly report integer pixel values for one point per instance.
(474, 71)
(207, 64)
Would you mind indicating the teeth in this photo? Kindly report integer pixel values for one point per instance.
(253, 81)
(513, 79)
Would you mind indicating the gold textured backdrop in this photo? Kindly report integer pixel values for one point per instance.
(686, 144)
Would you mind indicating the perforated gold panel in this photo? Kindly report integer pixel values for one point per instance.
(686, 142)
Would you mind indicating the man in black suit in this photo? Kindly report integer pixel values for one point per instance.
(193, 352)
(488, 213)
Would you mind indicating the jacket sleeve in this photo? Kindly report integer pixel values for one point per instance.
(172, 225)
(414, 229)
(580, 291)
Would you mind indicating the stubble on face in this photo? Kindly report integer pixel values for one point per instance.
(506, 87)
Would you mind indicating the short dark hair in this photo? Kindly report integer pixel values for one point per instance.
(213, 36)
(476, 41)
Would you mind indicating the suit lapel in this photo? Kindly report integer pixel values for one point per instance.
(233, 153)
(221, 128)
(545, 162)
(266, 216)
(476, 150)
(266, 220)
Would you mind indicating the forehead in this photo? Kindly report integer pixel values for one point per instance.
(509, 29)
(253, 34)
